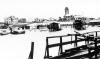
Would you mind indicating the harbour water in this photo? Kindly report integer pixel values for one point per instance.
(19, 46)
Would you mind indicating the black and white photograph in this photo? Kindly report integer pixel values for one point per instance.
(49, 29)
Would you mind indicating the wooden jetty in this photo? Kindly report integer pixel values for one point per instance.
(90, 49)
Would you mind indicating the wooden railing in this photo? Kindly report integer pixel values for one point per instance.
(61, 43)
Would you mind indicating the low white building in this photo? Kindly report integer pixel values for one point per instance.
(14, 20)
(11, 20)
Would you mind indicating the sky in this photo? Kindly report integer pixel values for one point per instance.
(31, 9)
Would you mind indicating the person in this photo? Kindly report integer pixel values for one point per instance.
(10, 29)
(60, 19)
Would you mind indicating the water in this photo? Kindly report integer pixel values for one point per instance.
(19, 46)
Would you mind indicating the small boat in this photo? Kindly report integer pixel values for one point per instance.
(18, 30)
(4, 30)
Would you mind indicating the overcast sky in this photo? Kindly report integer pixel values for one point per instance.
(48, 8)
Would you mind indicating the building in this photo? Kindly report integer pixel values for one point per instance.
(14, 20)
(22, 20)
(66, 11)
(11, 20)
(67, 18)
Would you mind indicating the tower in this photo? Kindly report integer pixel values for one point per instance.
(66, 11)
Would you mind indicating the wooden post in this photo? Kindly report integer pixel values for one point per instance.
(47, 48)
(96, 46)
(87, 43)
(32, 50)
(75, 44)
(61, 45)
(96, 34)
(87, 40)
(96, 49)
(71, 39)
